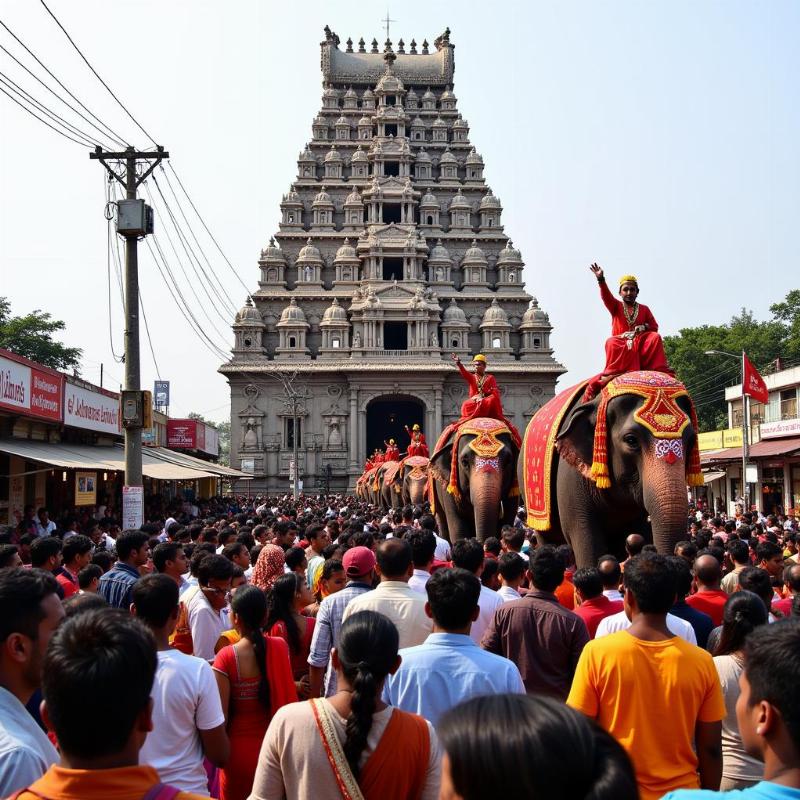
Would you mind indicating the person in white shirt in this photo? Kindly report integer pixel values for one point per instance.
(44, 525)
(423, 546)
(187, 718)
(468, 554)
(203, 607)
(511, 568)
(620, 622)
(393, 598)
(611, 575)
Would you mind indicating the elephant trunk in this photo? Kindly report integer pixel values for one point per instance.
(485, 495)
(665, 500)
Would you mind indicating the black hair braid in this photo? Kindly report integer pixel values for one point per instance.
(359, 721)
(280, 608)
(257, 639)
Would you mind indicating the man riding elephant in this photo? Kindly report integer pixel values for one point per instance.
(417, 446)
(635, 343)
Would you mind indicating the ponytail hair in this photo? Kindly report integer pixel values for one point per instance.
(250, 605)
(367, 651)
(743, 612)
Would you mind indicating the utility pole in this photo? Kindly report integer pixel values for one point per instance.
(124, 171)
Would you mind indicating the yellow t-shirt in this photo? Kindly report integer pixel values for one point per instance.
(649, 696)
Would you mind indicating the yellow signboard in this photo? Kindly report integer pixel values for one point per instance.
(719, 440)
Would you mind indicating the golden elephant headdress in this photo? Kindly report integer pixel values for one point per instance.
(660, 414)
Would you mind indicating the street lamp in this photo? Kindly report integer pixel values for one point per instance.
(745, 426)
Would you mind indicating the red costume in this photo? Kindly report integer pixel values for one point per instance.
(627, 351)
(483, 401)
(392, 452)
(417, 446)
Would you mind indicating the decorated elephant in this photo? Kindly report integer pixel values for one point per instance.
(594, 472)
(472, 484)
(389, 491)
(414, 479)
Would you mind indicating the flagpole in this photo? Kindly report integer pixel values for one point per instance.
(745, 443)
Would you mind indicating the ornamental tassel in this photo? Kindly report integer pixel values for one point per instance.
(694, 475)
(600, 473)
(452, 486)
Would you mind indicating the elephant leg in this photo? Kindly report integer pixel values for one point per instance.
(581, 520)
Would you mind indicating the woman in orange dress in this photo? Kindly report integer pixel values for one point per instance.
(254, 678)
(285, 602)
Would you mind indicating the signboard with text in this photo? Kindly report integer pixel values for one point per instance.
(29, 390)
(161, 393)
(91, 409)
(182, 434)
(132, 507)
(781, 427)
(85, 488)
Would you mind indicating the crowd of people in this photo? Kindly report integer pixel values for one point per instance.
(322, 648)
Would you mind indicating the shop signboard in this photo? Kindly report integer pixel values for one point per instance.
(29, 390)
(182, 434)
(161, 394)
(211, 445)
(85, 488)
(711, 440)
(91, 409)
(781, 427)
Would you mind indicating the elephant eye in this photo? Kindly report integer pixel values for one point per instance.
(631, 440)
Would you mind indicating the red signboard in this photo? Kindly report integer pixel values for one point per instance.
(29, 389)
(47, 391)
(182, 434)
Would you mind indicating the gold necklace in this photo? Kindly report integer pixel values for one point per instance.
(630, 318)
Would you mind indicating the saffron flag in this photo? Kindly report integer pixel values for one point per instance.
(753, 382)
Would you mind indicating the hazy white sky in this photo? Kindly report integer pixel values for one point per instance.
(659, 138)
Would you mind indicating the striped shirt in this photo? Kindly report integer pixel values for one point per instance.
(116, 586)
(327, 628)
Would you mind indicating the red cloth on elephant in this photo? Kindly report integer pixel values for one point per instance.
(487, 405)
(392, 452)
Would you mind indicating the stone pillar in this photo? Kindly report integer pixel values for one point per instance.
(437, 414)
(353, 430)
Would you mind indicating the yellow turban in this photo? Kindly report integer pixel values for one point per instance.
(480, 357)
(415, 427)
(628, 279)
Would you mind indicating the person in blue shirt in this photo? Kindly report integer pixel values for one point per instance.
(768, 713)
(700, 621)
(449, 667)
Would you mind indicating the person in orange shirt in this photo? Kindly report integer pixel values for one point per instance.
(565, 592)
(659, 696)
(97, 677)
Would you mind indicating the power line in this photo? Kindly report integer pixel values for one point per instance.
(186, 248)
(147, 332)
(33, 55)
(211, 235)
(43, 121)
(30, 99)
(200, 304)
(231, 303)
(94, 71)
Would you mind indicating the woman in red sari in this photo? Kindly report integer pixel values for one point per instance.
(285, 602)
(254, 678)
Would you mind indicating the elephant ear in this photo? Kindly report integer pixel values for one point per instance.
(575, 440)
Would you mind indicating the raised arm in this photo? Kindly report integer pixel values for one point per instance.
(609, 301)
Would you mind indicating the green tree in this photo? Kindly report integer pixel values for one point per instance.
(706, 376)
(31, 336)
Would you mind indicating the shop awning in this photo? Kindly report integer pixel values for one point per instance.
(769, 448)
(112, 458)
(65, 456)
(714, 475)
(191, 462)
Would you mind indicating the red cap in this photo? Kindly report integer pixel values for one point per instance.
(358, 561)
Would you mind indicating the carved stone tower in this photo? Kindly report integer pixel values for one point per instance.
(390, 255)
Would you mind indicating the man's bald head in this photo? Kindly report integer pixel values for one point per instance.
(394, 560)
(634, 544)
(610, 572)
(707, 571)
